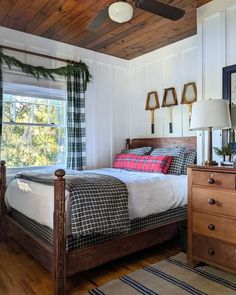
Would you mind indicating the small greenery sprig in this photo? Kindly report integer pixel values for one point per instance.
(39, 71)
(226, 150)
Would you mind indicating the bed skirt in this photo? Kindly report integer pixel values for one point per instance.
(73, 243)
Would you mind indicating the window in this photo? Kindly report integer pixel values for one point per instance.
(34, 126)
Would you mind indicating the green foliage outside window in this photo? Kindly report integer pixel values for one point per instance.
(29, 142)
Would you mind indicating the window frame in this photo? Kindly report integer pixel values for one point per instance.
(14, 170)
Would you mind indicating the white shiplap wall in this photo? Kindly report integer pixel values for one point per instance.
(171, 66)
(216, 49)
(106, 98)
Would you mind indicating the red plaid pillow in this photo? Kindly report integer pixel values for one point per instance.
(157, 164)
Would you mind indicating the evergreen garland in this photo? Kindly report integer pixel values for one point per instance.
(38, 71)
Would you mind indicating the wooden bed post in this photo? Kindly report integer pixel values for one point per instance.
(127, 143)
(59, 235)
(2, 199)
(3, 187)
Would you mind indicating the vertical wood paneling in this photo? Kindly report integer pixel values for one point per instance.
(189, 65)
(171, 78)
(104, 84)
(170, 71)
(211, 57)
(231, 35)
(154, 82)
(200, 87)
(212, 66)
(120, 108)
(189, 74)
(168, 67)
(139, 118)
(216, 47)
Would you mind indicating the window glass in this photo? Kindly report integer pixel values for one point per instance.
(22, 112)
(34, 130)
(41, 114)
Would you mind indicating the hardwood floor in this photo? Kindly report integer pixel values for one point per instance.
(20, 274)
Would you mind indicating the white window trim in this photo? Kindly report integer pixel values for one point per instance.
(29, 168)
(35, 124)
(12, 171)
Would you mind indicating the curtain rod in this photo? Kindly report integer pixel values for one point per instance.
(34, 53)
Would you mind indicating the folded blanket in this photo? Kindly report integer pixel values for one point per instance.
(99, 203)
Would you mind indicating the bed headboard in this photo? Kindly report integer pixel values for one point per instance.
(190, 142)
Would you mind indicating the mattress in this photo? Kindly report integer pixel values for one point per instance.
(46, 234)
(149, 194)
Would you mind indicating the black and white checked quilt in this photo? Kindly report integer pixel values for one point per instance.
(98, 203)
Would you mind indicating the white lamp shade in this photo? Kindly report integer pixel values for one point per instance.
(120, 12)
(212, 113)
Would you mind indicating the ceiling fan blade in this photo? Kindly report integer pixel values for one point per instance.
(159, 8)
(97, 21)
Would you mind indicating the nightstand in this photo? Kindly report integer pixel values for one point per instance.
(212, 216)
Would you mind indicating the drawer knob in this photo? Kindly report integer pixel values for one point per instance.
(211, 227)
(211, 180)
(211, 201)
(211, 252)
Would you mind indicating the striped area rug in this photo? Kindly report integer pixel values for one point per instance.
(171, 277)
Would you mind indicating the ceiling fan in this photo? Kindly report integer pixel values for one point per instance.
(122, 11)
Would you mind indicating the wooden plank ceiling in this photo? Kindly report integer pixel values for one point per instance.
(66, 21)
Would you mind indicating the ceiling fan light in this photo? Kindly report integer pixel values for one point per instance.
(120, 12)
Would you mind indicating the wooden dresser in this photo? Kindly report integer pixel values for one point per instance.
(212, 216)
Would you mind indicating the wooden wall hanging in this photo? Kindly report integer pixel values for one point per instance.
(170, 100)
(189, 96)
(152, 103)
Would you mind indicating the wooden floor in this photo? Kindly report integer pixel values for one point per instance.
(20, 274)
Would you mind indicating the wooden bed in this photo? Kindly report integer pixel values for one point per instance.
(55, 258)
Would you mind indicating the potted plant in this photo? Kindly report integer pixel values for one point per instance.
(225, 152)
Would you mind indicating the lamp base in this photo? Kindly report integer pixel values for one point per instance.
(210, 163)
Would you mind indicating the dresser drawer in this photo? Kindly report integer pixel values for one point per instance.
(212, 179)
(215, 251)
(215, 227)
(214, 201)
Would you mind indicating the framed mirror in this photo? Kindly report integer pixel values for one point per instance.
(229, 93)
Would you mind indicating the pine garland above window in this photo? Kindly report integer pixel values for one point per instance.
(39, 71)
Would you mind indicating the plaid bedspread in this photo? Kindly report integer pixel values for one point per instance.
(98, 203)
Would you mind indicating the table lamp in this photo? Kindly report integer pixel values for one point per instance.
(210, 114)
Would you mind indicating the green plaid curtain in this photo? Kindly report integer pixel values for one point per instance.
(76, 140)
